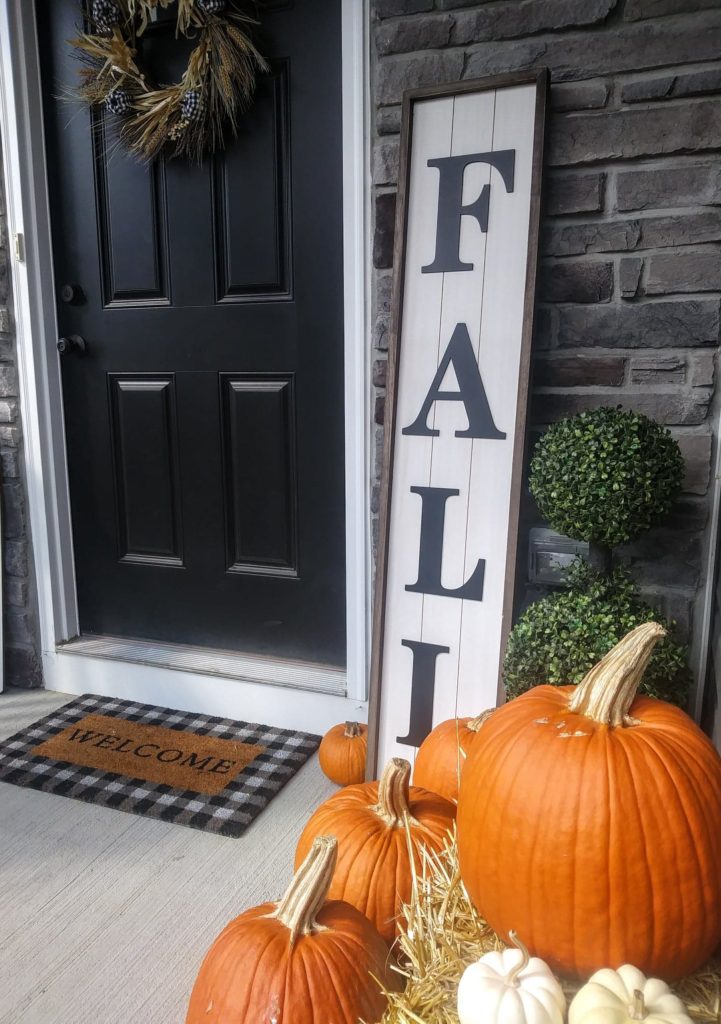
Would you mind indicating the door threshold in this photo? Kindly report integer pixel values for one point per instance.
(299, 675)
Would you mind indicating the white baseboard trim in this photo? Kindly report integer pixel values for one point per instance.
(68, 670)
(210, 661)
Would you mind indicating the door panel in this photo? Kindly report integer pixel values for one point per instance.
(204, 426)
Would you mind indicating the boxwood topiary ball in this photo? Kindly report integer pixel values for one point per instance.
(605, 476)
(559, 638)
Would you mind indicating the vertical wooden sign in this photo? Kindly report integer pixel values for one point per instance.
(464, 277)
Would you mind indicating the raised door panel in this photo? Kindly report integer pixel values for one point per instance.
(145, 469)
(259, 463)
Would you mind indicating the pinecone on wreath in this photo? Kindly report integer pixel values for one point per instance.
(192, 104)
(118, 102)
(106, 16)
(211, 6)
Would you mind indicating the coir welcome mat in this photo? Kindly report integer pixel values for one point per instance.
(209, 773)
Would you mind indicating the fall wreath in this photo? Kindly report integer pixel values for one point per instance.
(186, 118)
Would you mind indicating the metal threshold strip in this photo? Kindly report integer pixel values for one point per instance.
(299, 675)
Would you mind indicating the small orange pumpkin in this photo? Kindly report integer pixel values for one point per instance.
(299, 961)
(590, 820)
(442, 753)
(342, 753)
(374, 822)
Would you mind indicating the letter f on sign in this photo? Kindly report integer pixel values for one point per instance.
(451, 208)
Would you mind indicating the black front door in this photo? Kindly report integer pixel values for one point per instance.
(204, 424)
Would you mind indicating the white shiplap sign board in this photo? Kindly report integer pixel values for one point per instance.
(465, 259)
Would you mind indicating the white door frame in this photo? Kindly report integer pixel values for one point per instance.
(231, 694)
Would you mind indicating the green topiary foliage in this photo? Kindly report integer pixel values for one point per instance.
(605, 476)
(559, 638)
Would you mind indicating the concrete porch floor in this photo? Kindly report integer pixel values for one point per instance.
(105, 916)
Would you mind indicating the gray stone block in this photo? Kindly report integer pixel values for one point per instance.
(8, 410)
(677, 229)
(637, 10)
(694, 83)
(388, 120)
(648, 89)
(23, 667)
(527, 17)
(658, 369)
(14, 519)
(385, 163)
(409, 34)
(394, 8)
(624, 134)
(687, 184)
(575, 56)
(598, 236)
(665, 558)
(696, 451)
(576, 281)
(384, 291)
(629, 276)
(545, 328)
(16, 592)
(379, 410)
(385, 217)
(19, 626)
(454, 5)
(8, 382)
(671, 409)
(575, 193)
(702, 369)
(579, 95)
(16, 558)
(579, 371)
(10, 436)
(10, 463)
(380, 369)
(629, 235)
(5, 320)
(396, 74)
(381, 331)
(683, 272)
(670, 324)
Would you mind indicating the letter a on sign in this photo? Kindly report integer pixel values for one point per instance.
(462, 320)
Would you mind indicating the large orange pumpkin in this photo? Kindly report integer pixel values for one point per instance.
(443, 752)
(300, 961)
(342, 753)
(589, 820)
(374, 872)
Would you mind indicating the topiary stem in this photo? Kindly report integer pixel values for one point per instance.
(606, 693)
(600, 556)
(394, 793)
(307, 893)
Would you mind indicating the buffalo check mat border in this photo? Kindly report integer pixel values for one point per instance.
(228, 813)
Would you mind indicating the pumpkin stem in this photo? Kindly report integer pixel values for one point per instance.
(352, 729)
(475, 723)
(394, 793)
(512, 976)
(307, 892)
(607, 691)
(638, 1007)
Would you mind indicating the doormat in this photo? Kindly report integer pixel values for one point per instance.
(208, 773)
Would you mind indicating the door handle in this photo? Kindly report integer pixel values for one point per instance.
(72, 345)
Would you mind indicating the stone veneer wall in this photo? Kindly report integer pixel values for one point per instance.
(21, 640)
(628, 310)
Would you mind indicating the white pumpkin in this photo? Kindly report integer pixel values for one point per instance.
(510, 987)
(626, 996)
